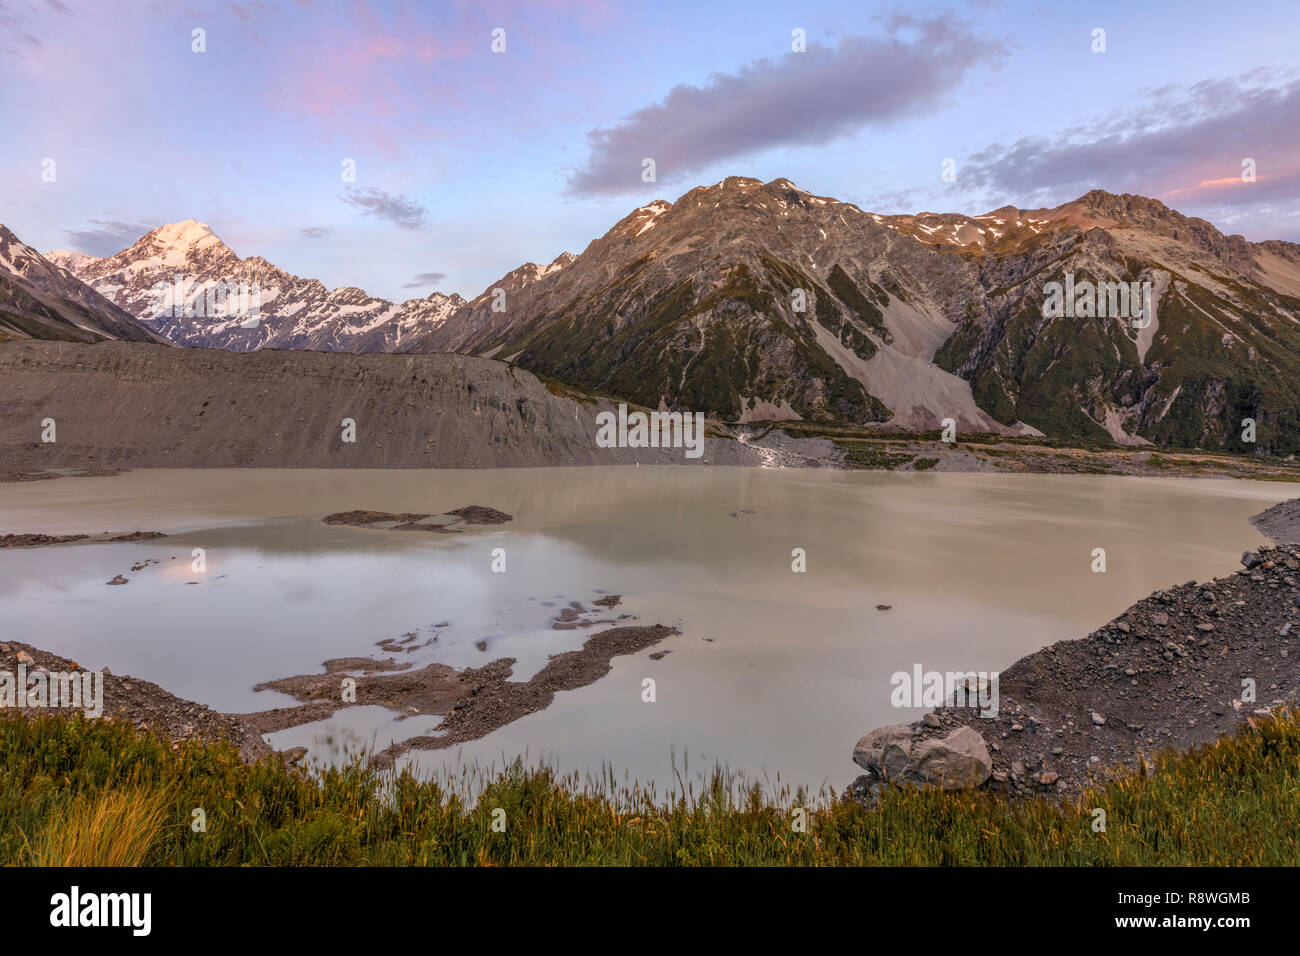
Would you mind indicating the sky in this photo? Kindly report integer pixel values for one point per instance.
(481, 136)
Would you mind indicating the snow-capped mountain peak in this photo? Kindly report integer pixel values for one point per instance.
(69, 259)
(184, 234)
(182, 281)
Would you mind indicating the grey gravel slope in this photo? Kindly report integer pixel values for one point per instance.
(119, 405)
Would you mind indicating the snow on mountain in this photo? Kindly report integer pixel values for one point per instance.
(185, 283)
(744, 299)
(40, 298)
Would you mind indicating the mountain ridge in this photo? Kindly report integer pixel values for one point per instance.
(752, 300)
(41, 299)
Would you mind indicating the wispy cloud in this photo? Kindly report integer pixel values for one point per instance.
(799, 99)
(16, 33)
(107, 238)
(316, 232)
(400, 211)
(425, 279)
(247, 12)
(1185, 144)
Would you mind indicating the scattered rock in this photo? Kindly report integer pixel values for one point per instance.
(144, 705)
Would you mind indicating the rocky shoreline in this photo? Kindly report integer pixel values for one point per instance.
(38, 540)
(141, 703)
(1280, 522)
(1179, 668)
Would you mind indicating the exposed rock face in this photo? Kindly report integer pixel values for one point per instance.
(121, 405)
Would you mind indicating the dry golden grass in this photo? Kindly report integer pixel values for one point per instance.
(112, 828)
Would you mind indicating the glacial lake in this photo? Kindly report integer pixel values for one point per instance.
(775, 674)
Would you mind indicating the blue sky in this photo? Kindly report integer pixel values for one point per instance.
(470, 162)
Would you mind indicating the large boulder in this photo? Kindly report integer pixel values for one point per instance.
(885, 751)
(957, 761)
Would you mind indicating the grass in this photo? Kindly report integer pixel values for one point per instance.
(893, 449)
(110, 828)
(863, 455)
(76, 792)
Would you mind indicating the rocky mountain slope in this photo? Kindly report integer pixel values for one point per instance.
(1222, 344)
(755, 301)
(913, 319)
(41, 300)
(748, 301)
(186, 284)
